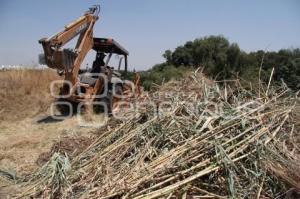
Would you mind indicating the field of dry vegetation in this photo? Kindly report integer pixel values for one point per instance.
(24, 93)
(211, 140)
(25, 132)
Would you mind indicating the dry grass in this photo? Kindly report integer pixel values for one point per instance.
(235, 144)
(222, 151)
(24, 93)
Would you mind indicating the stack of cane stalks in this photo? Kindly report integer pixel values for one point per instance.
(193, 138)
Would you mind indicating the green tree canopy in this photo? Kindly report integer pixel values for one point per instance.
(222, 60)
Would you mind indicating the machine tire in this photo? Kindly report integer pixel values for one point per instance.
(109, 99)
(64, 109)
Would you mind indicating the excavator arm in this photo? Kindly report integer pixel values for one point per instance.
(66, 60)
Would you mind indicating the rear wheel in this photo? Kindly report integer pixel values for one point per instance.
(109, 101)
(113, 98)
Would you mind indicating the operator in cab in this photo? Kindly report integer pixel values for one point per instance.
(98, 63)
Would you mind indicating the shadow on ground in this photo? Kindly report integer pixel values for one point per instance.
(50, 119)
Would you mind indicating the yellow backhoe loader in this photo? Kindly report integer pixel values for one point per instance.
(102, 83)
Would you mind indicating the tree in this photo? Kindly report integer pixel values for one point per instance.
(221, 60)
(168, 56)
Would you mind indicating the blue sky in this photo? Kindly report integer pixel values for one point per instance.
(148, 28)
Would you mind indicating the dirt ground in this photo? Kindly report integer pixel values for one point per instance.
(27, 144)
(22, 142)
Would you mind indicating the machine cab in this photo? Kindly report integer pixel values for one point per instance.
(105, 48)
(108, 47)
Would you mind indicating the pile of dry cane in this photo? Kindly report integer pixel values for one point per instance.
(189, 139)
